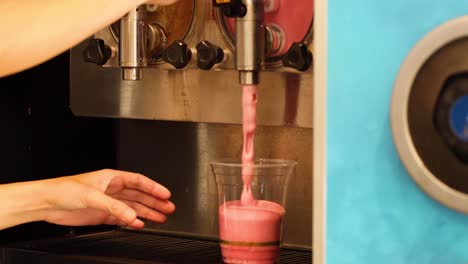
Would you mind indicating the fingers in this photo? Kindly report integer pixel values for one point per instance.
(114, 207)
(163, 206)
(145, 184)
(113, 181)
(135, 195)
(137, 224)
(146, 212)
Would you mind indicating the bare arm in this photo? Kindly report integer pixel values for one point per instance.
(21, 203)
(101, 197)
(34, 31)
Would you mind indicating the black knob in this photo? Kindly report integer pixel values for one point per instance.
(298, 57)
(97, 52)
(451, 115)
(231, 8)
(177, 54)
(208, 55)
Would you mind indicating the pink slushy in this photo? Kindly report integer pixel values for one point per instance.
(250, 233)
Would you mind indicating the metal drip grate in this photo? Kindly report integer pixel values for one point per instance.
(145, 248)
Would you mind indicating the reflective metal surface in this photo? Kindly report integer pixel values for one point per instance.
(177, 154)
(250, 42)
(131, 73)
(132, 44)
(132, 39)
(191, 95)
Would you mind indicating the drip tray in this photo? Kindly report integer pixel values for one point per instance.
(118, 247)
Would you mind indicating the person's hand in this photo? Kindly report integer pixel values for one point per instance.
(106, 197)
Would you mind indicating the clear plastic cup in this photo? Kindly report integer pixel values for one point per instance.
(251, 233)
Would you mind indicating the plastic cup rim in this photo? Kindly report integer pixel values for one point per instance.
(269, 163)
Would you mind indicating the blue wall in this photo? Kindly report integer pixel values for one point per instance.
(375, 213)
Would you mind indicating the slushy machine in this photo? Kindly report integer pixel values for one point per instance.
(171, 77)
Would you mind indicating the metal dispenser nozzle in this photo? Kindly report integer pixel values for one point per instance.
(250, 36)
(250, 41)
(132, 44)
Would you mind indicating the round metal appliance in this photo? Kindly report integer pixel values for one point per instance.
(430, 84)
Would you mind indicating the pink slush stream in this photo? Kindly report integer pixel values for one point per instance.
(249, 122)
(250, 230)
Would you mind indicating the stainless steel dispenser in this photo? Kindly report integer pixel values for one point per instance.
(191, 57)
(250, 38)
(132, 44)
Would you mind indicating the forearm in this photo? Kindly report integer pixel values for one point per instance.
(22, 203)
(34, 31)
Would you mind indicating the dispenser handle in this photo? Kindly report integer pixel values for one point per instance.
(97, 52)
(231, 8)
(177, 54)
(208, 55)
(298, 57)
